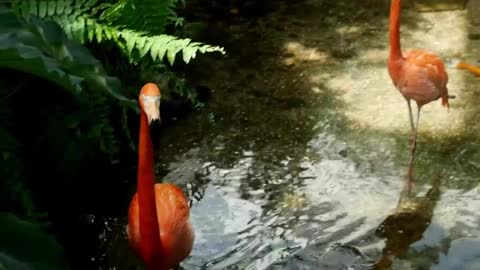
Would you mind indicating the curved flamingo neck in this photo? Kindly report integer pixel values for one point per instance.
(394, 31)
(150, 243)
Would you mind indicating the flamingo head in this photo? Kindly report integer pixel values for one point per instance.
(150, 101)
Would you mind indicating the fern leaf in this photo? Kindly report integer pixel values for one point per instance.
(99, 9)
(99, 34)
(140, 42)
(130, 42)
(59, 7)
(42, 9)
(90, 25)
(174, 48)
(157, 51)
(165, 45)
(146, 47)
(90, 4)
(188, 53)
(78, 29)
(51, 8)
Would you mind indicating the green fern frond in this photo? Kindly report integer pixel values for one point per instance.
(135, 44)
(161, 46)
(77, 20)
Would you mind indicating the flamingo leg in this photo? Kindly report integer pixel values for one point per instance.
(413, 147)
(410, 114)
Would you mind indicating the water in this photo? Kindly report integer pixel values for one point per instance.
(298, 161)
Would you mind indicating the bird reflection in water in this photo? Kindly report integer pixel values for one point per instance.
(406, 224)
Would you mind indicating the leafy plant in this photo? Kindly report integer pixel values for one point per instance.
(26, 246)
(136, 27)
(41, 48)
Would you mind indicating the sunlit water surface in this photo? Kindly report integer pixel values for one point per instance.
(301, 155)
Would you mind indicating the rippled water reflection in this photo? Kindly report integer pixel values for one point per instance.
(302, 167)
(255, 213)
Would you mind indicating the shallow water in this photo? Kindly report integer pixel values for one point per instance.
(298, 161)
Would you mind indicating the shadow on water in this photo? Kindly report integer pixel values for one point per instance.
(407, 224)
(286, 167)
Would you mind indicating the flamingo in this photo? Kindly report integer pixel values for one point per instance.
(418, 75)
(158, 229)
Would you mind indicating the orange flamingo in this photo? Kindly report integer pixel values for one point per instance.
(419, 75)
(159, 228)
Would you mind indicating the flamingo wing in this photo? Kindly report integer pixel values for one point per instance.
(425, 78)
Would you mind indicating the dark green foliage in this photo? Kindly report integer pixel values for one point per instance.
(25, 246)
(41, 48)
(13, 193)
(134, 26)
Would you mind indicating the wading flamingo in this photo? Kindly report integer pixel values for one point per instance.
(159, 228)
(419, 75)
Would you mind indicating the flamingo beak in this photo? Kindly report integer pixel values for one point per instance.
(153, 115)
(151, 106)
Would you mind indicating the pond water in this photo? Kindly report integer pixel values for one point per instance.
(298, 160)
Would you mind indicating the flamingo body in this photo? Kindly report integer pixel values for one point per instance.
(176, 233)
(420, 76)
